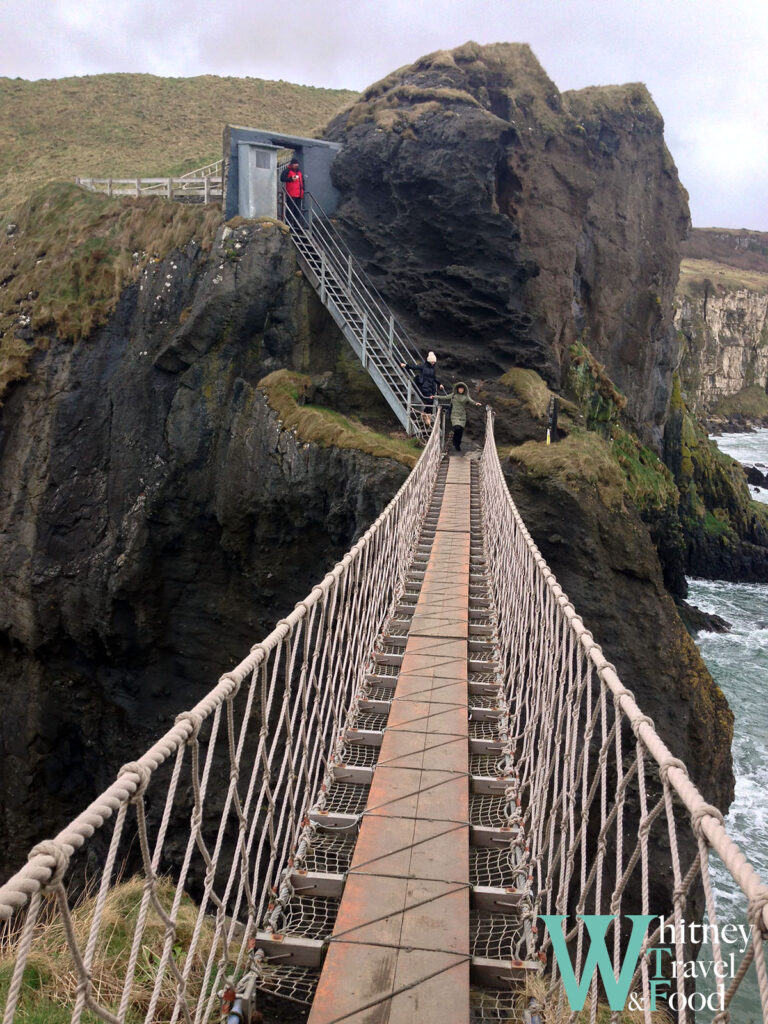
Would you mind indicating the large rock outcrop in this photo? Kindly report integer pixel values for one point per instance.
(155, 520)
(504, 219)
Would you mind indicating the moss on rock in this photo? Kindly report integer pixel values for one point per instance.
(290, 395)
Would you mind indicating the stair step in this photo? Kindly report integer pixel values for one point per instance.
(489, 973)
(315, 883)
(293, 950)
(490, 899)
(358, 775)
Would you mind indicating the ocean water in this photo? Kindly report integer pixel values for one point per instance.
(738, 661)
(751, 449)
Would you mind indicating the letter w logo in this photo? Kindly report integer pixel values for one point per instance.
(597, 957)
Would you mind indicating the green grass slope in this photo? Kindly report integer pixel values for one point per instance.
(123, 125)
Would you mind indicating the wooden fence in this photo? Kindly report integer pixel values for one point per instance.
(205, 189)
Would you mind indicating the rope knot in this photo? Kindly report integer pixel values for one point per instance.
(194, 720)
(756, 910)
(49, 848)
(622, 691)
(705, 811)
(260, 649)
(144, 773)
(641, 720)
(671, 762)
(229, 677)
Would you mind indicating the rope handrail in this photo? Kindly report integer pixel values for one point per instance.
(292, 693)
(584, 791)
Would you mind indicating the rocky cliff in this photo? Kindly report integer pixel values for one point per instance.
(722, 317)
(155, 519)
(505, 220)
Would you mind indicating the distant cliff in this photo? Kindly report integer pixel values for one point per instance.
(506, 220)
(722, 316)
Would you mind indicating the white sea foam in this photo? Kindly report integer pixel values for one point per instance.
(750, 449)
(738, 661)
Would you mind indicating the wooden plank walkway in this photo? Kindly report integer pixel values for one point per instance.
(400, 948)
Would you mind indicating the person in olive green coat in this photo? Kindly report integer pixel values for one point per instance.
(459, 398)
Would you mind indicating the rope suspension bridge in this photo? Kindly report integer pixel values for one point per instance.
(374, 809)
(428, 753)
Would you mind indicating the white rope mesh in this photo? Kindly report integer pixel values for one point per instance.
(219, 802)
(615, 825)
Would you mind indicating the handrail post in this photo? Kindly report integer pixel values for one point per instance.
(391, 332)
(408, 408)
(322, 275)
(365, 341)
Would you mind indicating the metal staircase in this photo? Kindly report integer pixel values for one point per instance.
(378, 340)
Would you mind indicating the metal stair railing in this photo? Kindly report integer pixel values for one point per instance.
(366, 321)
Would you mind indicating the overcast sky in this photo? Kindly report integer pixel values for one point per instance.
(705, 61)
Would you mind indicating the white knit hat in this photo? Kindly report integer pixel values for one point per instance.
(431, 357)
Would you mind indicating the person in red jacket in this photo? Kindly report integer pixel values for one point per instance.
(294, 188)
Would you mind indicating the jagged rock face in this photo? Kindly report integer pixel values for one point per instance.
(726, 350)
(155, 521)
(504, 219)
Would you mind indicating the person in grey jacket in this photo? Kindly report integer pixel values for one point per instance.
(459, 399)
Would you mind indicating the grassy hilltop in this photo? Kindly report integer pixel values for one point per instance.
(63, 267)
(124, 125)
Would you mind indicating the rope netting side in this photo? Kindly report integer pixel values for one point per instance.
(614, 824)
(214, 809)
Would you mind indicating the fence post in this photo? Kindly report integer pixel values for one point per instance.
(109, 187)
(138, 187)
(170, 188)
(207, 188)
